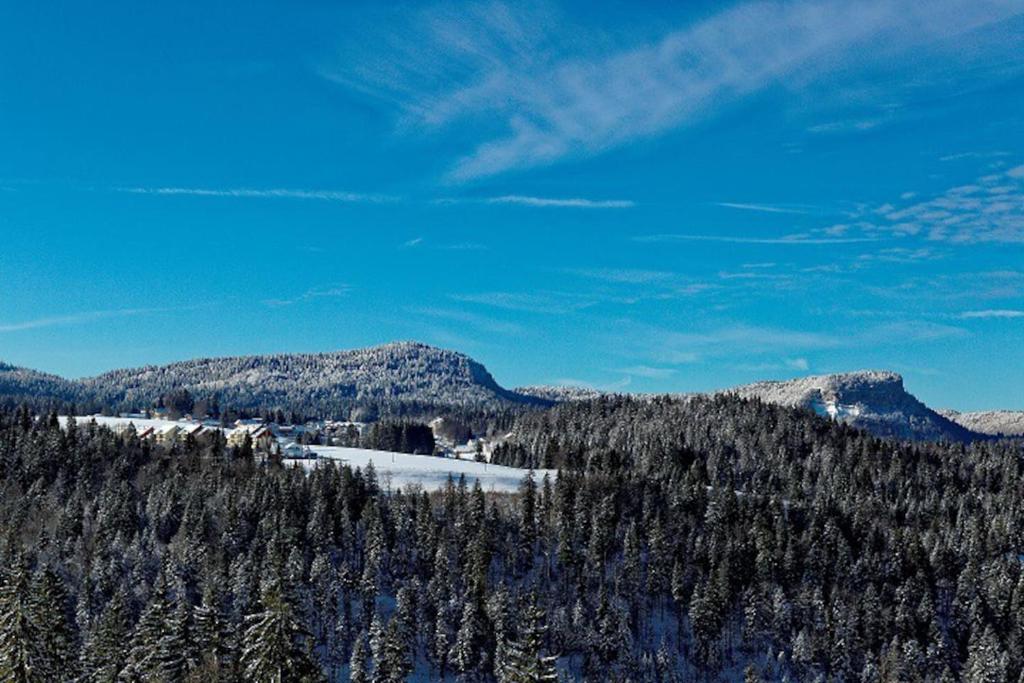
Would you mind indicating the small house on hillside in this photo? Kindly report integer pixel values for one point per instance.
(262, 438)
(167, 434)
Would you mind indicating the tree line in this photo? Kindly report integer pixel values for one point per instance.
(717, 539)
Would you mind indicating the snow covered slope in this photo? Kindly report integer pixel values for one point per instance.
(992, 422)
(393, 469)
(872, 400)
(402, 470)
(403, 376)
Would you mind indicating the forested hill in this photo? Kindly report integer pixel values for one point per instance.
(875, 401)
(399, 378)
(719, 539)
(654, 433)
(20, 384)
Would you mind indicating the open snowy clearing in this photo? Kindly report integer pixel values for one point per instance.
(400, 470)
(118, 424)
(394, 470)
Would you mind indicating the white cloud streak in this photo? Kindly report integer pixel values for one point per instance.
(763, 208)
(539, 98)
(554, 303)
(82, 318)
(992, 313)
(785, 240)
(250, 193)
(565, 203)
(324, 292)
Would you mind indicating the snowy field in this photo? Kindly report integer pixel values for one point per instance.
(118, 424)
(400, 470)
(394, 470)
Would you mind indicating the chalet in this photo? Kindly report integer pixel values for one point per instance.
(261, 436)
(167, 434)
(147, 433)
(196, 431)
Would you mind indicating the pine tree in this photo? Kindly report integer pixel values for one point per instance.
(986, 662)
(179, 648)
(395, 664)
(144, 654)
(525, 663)
(273, 643)
(440, 646)
(23, 654)
(527, 519)
(106, 650)
(50, 610)
(211, 633)
(359, 665)
(465, 653)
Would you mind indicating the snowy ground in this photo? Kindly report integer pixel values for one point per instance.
(121, 423)
(402, 469)
(397, 470)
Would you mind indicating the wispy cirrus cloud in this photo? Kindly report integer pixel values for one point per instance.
(1003, 313)
(85, 317)
(543, 202)
(632, 276)
(660, 345)
(563, 203)
(763, 208)
(322, 292)
(649, 372)
(252, 193)
(535, 97)
(480, 322)
(974, 155)
(557, 303)
(792, 240)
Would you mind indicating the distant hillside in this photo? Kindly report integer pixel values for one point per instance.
(396, 378)
(559, 393)
(991, 422)
(21, 384)
(413, 379)
(872, 400)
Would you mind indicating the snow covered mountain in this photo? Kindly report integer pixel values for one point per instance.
(399, 378)
(394, 377)
(872, 400)
(992, 422)
(409, 378)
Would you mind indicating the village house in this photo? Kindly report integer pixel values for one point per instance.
(167, 434)
(262, 437)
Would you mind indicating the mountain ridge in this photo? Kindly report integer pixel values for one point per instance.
(409, 378)
(990, 422)
(399, 377)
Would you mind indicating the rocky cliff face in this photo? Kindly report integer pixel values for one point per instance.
(873, 400)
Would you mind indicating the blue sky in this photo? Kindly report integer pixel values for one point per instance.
(644, 196)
